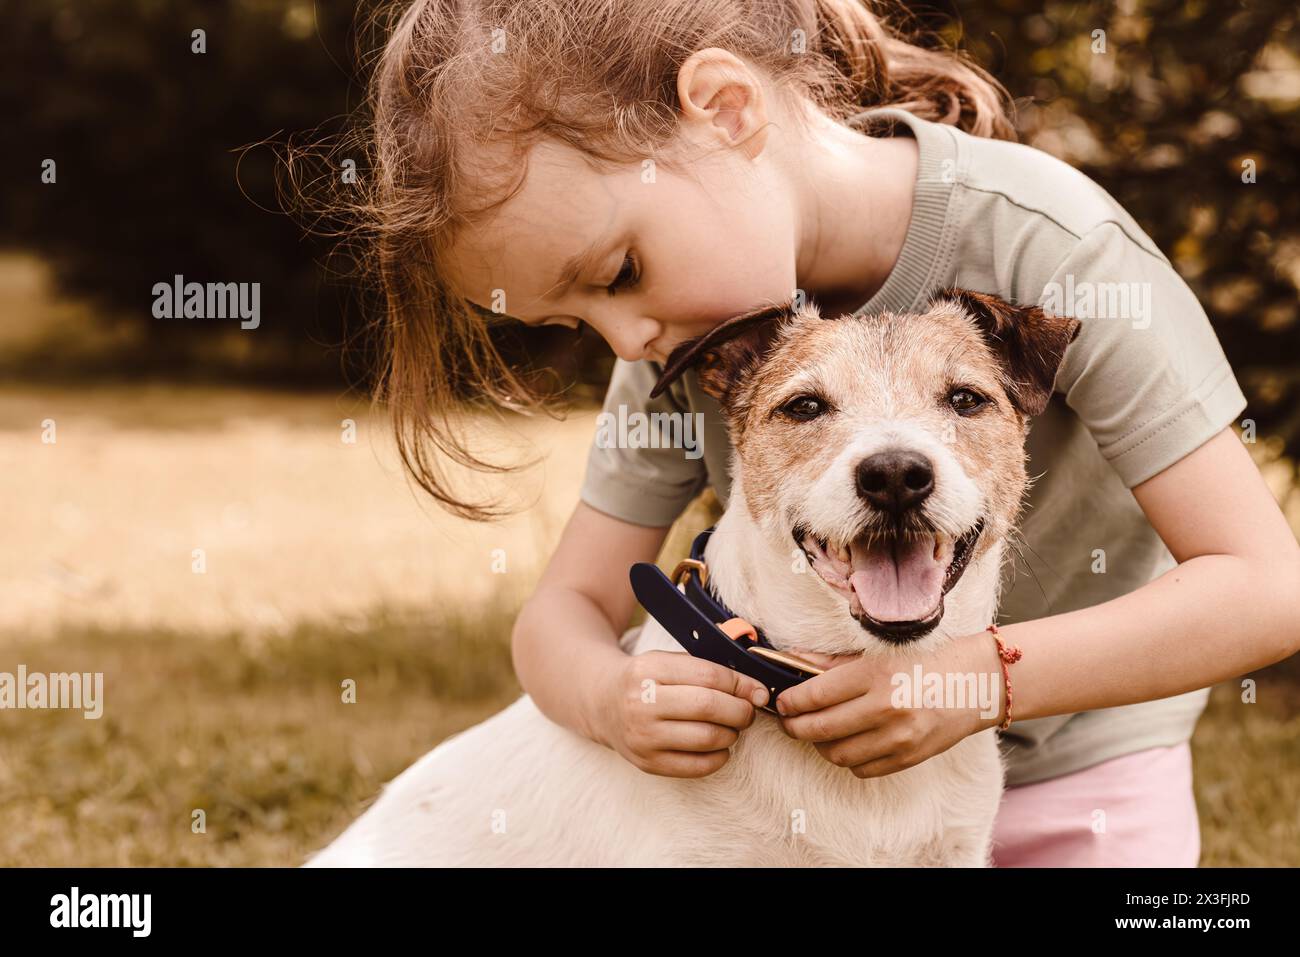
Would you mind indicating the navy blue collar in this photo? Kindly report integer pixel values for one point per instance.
(708, 629)
(702, 596)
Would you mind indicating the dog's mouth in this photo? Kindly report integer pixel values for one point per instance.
(895, 579)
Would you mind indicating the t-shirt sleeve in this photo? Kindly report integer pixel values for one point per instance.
(1146, 373)
(631, 479)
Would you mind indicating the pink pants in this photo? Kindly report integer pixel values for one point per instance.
(1136, 810)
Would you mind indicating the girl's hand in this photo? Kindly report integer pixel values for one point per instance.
(674, 714)
(848, 714)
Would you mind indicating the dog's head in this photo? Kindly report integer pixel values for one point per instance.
(889, 447)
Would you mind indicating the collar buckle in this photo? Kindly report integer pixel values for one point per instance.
(688, 565)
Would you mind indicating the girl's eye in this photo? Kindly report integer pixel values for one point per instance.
(966, 401)
(627, 275)
(804, 408)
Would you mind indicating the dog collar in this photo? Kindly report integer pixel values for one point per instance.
(706, 628)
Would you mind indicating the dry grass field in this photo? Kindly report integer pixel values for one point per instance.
(318, 564)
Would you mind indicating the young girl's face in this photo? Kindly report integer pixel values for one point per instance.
(646, 256)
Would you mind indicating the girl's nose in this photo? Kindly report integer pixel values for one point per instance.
(632, 339)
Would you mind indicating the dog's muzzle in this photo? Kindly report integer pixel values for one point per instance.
(895, 581)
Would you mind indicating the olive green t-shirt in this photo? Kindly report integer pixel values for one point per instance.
(1144, 384)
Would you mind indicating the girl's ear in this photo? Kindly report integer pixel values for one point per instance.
(727, 353)
(1029, 342)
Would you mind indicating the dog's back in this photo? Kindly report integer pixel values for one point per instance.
(520, 790)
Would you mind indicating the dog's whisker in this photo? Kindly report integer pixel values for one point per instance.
(1016, 540)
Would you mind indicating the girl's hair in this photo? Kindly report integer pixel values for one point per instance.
(457, 75)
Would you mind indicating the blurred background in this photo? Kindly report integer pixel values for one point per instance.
(133, 159)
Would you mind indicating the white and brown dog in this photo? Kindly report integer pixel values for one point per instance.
(889, 449)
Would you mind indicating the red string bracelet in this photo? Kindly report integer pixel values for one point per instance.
(1006, 657)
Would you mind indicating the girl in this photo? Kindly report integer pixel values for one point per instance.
(653, 167)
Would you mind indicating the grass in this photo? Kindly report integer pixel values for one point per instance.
(255, 734)
(1246, 772)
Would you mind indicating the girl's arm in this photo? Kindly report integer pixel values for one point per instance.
(1232, 605)
(667, 713)
(565, 640)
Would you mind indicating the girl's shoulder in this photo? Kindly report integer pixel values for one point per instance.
(1034, 182)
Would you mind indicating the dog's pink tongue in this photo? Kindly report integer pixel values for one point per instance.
(898, 580)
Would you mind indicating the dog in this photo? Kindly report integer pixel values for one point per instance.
(885, 455)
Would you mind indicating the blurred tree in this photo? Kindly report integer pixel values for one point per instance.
(145, 134)
(1166, 104)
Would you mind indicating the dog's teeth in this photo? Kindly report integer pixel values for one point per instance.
(841, 554)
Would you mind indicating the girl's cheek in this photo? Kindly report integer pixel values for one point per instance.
(726, 285)
(744, 291)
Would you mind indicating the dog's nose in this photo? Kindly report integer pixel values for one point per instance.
(895, 480)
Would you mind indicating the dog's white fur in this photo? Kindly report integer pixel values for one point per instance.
(519, 789)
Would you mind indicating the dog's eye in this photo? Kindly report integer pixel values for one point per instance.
(966, 401)
(804, 407)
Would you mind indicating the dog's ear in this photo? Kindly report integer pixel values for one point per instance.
(728, 352)
(1030, 342)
